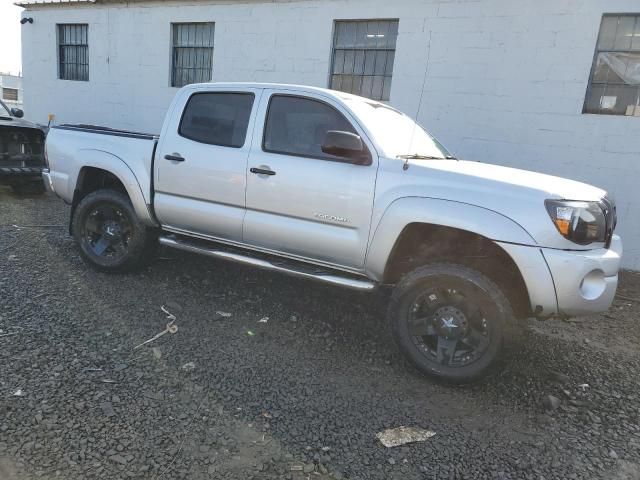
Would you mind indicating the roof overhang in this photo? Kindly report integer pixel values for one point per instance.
(30, 3)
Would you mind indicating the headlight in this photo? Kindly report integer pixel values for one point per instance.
(581, 222)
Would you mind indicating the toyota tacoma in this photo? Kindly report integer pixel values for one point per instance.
(348, 191)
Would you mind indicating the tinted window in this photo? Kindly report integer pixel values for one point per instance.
(298, 126)
(217, 118)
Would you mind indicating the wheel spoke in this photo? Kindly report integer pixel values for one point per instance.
(93, 225)
(446, 349)
(475, 340)
(421, 327)
(101, 245)
(119, 248)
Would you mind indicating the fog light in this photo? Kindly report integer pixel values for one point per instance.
(593, 285)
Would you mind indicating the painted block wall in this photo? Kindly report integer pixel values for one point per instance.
(505, 81)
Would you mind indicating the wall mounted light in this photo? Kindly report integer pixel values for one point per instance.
(25, 20)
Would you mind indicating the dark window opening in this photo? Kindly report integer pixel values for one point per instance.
(217, 118)
(298, 126)
(363, 56)
(10, 94)
(192, 53)
(614, 86)
(73, 52)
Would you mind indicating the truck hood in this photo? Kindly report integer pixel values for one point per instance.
(516, 194)
(516, 180)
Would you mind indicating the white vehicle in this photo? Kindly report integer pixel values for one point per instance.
(349, 191)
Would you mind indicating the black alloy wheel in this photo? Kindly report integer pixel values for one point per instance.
(110, 235)
(107, 232)
(450, 321)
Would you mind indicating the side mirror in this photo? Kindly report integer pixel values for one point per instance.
(346, 145)
(16, 112)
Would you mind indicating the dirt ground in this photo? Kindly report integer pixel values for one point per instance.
(295, 383)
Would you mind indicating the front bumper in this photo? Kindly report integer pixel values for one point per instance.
(14, 172)
(585, 281)
(46, 178)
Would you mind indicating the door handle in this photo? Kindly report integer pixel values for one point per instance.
(262, 171)
(175, 157)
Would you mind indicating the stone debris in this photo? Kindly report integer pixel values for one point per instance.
(394, 437)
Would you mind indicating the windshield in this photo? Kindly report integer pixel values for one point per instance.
(394, 131)
(4, 110)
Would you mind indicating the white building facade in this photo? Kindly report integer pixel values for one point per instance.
(544, 85)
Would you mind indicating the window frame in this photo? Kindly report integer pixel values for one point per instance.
(173, 46)
(225, 92)
(17, 94)
(594, 60)
(369, 159)
(334, 38)
(59, 27)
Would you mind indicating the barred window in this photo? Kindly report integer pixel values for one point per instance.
(192, 56)
(73, 52)
(614, 86)
(363, 56)
(10, 94)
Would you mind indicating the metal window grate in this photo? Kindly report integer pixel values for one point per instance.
(73, 52)
(192, 56)
(363, 56)
(10, 94)
(614, 84)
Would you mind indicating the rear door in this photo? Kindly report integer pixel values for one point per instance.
(201, 162)
(308, 204)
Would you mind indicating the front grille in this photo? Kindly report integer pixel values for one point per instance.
(611, 217)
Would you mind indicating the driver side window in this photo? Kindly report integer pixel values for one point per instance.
(298, 126)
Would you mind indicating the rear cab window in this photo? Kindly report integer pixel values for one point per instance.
(217, 118)
(298, 125)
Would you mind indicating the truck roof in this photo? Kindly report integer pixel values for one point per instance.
(301, 88)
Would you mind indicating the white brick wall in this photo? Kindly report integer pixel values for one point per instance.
(506, 80)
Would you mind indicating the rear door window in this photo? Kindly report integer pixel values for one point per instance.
(217, 118)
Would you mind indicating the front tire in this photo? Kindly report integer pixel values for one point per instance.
(449, 321)
(110, 236)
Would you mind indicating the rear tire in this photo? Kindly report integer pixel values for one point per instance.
(111, 237)
(450, 321)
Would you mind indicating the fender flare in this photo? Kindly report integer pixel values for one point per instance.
(463, 216)
(93, 158)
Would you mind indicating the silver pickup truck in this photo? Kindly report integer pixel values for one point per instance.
(329, 186)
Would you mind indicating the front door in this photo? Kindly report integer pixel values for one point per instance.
(301, 201)
(201, 163)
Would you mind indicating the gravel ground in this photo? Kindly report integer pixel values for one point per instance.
(298, 395)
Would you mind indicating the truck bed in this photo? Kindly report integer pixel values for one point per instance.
(73, 147)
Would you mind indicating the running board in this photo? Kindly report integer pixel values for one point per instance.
(290, 269)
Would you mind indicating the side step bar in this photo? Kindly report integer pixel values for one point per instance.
(348, 282)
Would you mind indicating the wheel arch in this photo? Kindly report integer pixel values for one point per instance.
(105, 170)
(415, 230)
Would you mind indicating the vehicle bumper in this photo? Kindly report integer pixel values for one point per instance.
(15, 172)
(46, 178)
(19, 175)
(585, 281)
